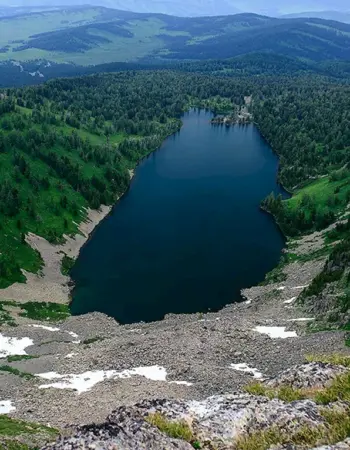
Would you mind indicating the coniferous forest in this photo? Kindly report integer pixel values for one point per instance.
(69, 144)
(144, 310)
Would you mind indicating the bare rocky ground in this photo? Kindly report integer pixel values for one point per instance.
(87, 366)
(217, 422)
(50, 284)
(197, 349)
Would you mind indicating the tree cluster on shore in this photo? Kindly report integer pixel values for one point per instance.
(69, 144)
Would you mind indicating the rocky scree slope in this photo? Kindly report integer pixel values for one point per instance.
(234, 421)
(78, 370)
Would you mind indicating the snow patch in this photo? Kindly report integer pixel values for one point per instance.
(291, 300)
(75, 336)
(248, 302)
(282, 288)
(276, 332)
(85, 381)
(302, 319)
(80, 382)
(243, 367)
(6, 406)
(47, 328)
(183, 383)
(44, 327)
(154, 373)
(13, 346)
(16, 63)
(70, 355)
(300, 287)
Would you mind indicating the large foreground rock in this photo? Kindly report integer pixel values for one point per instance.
(216, 422)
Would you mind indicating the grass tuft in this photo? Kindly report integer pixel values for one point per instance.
(176, 430)
(338, 390)
(284, 393)
(335, 429)
(14, 427)
(14, 358)
(336, 359)
(14, 371)
(257, 389)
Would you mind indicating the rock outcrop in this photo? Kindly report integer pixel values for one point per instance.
(217, 422)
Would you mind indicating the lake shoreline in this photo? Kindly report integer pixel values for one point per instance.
(252, 334)
(50, 285)
(87, 286)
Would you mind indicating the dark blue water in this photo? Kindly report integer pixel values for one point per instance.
(188, 235)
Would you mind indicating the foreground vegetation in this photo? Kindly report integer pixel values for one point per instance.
(336, 417)
(41, 311)
(174, 429)
(336, 425)
(13, 434)
(336, 428)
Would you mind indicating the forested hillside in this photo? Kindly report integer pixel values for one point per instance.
(308, 125)
(96, 35)
(68, 144)
(14, 74)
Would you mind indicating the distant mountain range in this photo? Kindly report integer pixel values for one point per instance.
(195, 8)
(326, 15)
(96, 35)
(190, 8)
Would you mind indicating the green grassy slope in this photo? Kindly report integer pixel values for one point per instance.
(95, 35)
(58, 158)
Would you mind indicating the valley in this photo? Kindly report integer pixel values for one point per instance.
(190, 326)
(96, 35)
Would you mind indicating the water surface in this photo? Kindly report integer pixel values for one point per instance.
(188, 234)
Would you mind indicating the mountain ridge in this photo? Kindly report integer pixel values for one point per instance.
(193, 8)
(96, 35)
(325, 15)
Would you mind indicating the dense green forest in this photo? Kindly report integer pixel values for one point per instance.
(308, 125)
(68, 144)
(14, 74)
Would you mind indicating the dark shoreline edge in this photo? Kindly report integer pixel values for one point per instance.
(71, 283)
(242, 298)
